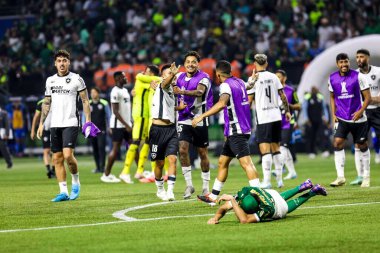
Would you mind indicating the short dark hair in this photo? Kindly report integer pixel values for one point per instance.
(224, 67)
(154, 68)
(282, 72)
(165, 66)
(96, 88)
(363, 51)
(193, 53)
(117, 73)
(61, 53)
(341, 56)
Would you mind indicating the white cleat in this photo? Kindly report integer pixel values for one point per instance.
(161, 194)
(126, 178)
(170, 196)
(377, 158)
(290, 176)
(365, 183)
(280, 184)
(325, 154)
(188, 192)
(109, 179)
(338, 182)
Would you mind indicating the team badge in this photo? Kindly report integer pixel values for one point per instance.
(153, 155)
(373, 77)
(100, 106)
(344, 89)
(68, 80)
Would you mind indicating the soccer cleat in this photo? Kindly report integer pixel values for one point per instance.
(60, 197)
(280, 184)
(290, 176)
(170, 196)
(147, 180)
(338, 182)
(366, 182)
(305, 185)
(9, 165)
(266, 185)
(205, 191)
(75, 190)
(161, 194)
(206, 198)
(377, 158)
(188, 192)
(97, 171)
(109, 179)
(357, 181)
(138, 176)
(126, 178)
(319, 190)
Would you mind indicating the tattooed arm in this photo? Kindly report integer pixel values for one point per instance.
(44, 113)
(285, 104)
(86, 105)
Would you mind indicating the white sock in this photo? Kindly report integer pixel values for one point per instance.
(288, 160)
(160, 184)
(171, 182)
(63, 187)
(358, 162)
(278, 165)
(339, 157)
(366, 160)
(75, 178)
(216, 189)
(266, 164)
(254, 182)
(186, 172)
(206, 180)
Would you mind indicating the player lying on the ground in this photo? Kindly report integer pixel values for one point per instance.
(254, 204)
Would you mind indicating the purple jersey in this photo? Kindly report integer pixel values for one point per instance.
(347, 93)
(237, 115)
(289, 93)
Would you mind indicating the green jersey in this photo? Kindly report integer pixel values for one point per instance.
(256, 200)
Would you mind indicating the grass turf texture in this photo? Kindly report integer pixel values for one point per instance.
(25, 203)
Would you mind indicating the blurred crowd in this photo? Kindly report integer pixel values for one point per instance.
(101, 34)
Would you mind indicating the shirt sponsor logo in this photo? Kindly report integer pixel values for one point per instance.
(59, 90)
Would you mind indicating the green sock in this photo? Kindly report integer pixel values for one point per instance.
(289, 193)
(295, 203)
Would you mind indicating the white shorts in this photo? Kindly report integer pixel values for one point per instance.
(281, 208)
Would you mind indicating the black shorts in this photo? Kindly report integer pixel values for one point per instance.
(198, 136)
(46, 139)
(163, 141)
(373, 117)
(286, 136)
(359, 131)
(120, 134)
(236, 146)
(269, 132)
(63, 137)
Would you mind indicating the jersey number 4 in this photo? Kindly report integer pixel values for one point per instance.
(268, 93)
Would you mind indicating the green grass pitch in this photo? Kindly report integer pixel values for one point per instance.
(324, 224)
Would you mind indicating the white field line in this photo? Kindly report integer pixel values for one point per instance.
(124, 219)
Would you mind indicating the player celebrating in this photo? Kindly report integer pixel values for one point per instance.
(237, 129)
(266, 91)
(120, 124)
(45, 138)
(163, 139)
(61, 99)
(287, 126)
(254, 204)
(194, 88)
(372, 75)
(349, 97)
(140, 114)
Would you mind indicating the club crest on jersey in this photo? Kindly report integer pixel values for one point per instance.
(344, 89)
(154, 155)
(68, 80)
(373, 77)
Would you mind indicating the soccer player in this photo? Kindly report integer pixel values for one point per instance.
(267, 90)
(163, 138)
(194, 88)
(254, 204)
(349, 97)
(237, 129)
(50, 171)
(61, 98)
(100, 115)
(120, 124)
(4, 135)
(140, 114)
(372, 75)
(288, 126)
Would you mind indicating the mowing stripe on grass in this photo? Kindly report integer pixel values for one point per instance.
(125, 219)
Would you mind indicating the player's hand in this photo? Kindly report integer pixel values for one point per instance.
(40, 131)
(225, 197)
(357, 115)
(174, 69)
(288, 116)
(196, 120)
(182, 105)
(133, 92)
(32, 135)
(212, 221)
(177, 90)
(153, 85)
(128, 128)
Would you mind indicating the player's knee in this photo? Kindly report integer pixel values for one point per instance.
(136, 142)
(58, 159)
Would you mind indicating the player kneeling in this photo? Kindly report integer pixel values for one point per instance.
(254, 204)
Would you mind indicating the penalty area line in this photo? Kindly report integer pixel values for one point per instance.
(125, 219)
